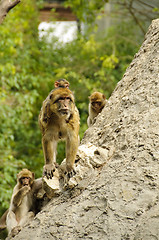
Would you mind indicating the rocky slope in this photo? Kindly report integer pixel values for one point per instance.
(115, 194)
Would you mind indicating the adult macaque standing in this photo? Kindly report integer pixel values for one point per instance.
(22, 206)
(59, 119)
(97, 102)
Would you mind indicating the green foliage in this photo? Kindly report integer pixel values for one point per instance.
(86, 11)
(28, 69)
(18, 96)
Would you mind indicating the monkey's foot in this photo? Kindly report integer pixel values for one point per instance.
(48, 170)
(70, 174)
(15, 231)
(67, 177)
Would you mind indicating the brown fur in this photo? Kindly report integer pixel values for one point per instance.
(96, 104)
(22, 206)
(59, 119)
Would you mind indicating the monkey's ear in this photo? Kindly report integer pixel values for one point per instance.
(33, 175)
(56, 84)
(103, 96)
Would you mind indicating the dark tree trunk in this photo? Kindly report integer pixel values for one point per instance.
(5, 7)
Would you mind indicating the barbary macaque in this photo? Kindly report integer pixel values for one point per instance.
(61, 83)
(97, 102)
(23, 201)
(59, 120)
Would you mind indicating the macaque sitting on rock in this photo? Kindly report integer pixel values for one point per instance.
(23, 201)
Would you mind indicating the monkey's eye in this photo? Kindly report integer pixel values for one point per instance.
(25, 178)
(63, 98)
(99, 103)
(68, 98)
(59, 99)
(93, 103)
(96, 103)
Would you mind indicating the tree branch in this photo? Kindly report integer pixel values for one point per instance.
(5, 7)
(137, 20)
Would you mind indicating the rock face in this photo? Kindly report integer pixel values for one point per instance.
(115, 193)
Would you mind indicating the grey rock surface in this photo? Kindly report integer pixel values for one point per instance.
(115, 193)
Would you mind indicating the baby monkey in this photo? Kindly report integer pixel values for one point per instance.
(97, 102)
(61, 83)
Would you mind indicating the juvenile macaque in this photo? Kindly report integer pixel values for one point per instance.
(97, 102)
(59, 119)
(61, 83)
(22, 206)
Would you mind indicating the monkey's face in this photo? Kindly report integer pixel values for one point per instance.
(97, 101)
(97, 105)
(62, 102)
(25, 181)
(25, 177)
(64, 105)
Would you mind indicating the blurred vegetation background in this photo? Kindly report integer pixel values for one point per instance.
(95, 60)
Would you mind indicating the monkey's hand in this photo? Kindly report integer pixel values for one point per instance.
(25, 190)
(48, 170)
(18, 197)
